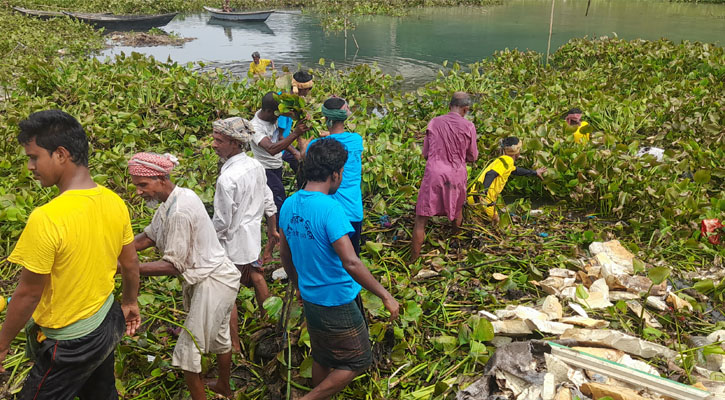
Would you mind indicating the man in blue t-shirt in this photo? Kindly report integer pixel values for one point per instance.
(349, 195)
(317, 254)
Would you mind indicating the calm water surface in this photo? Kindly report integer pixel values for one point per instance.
(416, 45)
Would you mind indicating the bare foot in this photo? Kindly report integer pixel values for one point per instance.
(219, 388)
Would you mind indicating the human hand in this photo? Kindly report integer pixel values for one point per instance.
(324, 133)
(300, 129)
(133, 317)
(392, 306)
(540, 172)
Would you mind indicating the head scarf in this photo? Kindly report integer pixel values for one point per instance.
(236, 128)
(296, 86)
(151, 164)
(511, 146)
(573, 117)
(301, 80)
(339, 114)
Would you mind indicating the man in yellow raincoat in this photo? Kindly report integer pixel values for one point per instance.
(490, 183)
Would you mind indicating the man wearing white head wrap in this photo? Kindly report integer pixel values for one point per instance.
(242, 198)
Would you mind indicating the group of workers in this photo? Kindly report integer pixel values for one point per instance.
(73, 246)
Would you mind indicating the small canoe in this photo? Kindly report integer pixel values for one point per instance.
(38, 13)
(238, 15)
(114, 22)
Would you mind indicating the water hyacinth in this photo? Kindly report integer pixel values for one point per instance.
(634, 93)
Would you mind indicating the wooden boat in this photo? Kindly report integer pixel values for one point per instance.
(239, 15)
(39, 13)
(115, 22)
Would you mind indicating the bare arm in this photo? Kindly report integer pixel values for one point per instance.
(143, 242)
(129, 277)
(25, 299)
(275, 148)
(272, 234)
(158, 268)
(285, 256)
(359, 272)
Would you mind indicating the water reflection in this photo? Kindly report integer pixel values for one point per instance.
(415, 46)
(242, 27)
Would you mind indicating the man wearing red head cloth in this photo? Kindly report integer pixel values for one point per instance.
(183, 232)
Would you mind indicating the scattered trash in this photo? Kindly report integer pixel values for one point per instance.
(279, 274)
(656, 152)
(544, 235)
(426, 273)
(601, 362)
(385, 221)
(709, 228)
(620, 341)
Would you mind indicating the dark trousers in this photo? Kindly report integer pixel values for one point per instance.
(355, 236)
(274, 181)
(290, 159)
(80, 367)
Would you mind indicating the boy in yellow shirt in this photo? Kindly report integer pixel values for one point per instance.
(492, 180)
(69, 251)
(581, 128)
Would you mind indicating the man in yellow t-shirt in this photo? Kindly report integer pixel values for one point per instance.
(258, 66)
(490, 183)
(69, 253)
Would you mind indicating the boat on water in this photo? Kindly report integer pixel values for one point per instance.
(238, 15)
(39, 13)
(114, 22)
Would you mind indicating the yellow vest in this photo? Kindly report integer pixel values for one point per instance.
(503, 166)
(579, 137)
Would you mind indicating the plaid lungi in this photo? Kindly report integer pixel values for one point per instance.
(339, 335)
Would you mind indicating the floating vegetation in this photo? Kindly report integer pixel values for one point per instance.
(634, 94)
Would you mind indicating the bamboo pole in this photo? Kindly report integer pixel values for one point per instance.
(551, 28)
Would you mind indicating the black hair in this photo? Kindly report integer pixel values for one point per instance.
(574, 110)
(509, 141)
(52, 129)
(324, 157)
(255, 54)
(460, 99)
(302, 76)
(269, 102)
(334, 103)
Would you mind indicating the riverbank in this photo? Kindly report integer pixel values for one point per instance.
(635, 93)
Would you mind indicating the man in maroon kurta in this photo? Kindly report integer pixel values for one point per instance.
(450, 142)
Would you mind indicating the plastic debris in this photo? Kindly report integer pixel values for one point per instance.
(279, 274)
(620, 341)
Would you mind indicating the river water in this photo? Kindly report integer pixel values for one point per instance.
(416, 45)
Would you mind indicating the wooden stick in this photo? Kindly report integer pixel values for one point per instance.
(551, 28)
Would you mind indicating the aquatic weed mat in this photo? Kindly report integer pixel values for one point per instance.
(634, 93)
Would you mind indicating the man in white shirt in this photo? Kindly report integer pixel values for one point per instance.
(182, 231)
(242, 197)
(267, 145)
